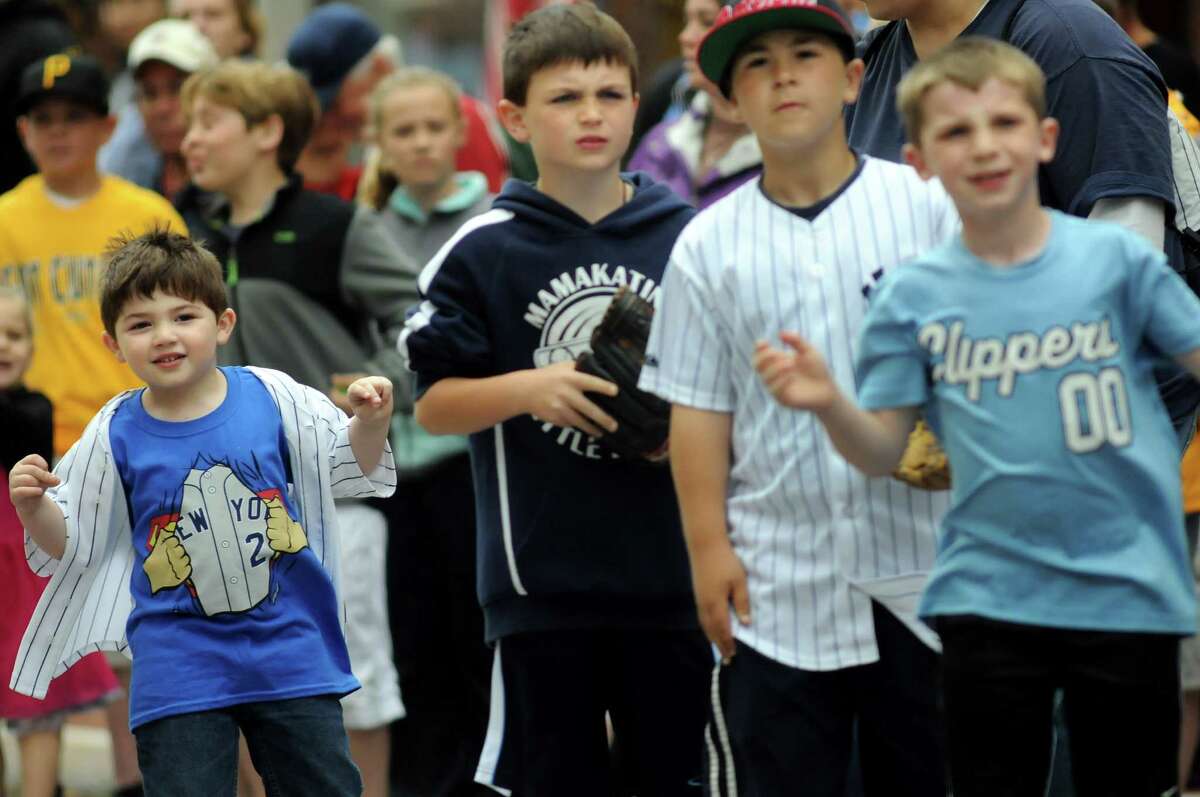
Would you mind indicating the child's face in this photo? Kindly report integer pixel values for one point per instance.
(985, 145)
(790, 87)
(63, 137)
(220, 149)
(576, 118)
(419, 133)
(698, 17)
(170, 342)
(16, 341)
(158, 86)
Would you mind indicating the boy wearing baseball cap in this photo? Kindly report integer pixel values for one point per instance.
(779, 527)
(54, 227)
(193, 527)
(1030, 342)
(145, 146)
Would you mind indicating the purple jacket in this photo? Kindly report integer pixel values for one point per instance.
(670, 153)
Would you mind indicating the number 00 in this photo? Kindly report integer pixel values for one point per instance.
(1095, 410)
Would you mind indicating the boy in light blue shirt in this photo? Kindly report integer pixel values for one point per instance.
(1029, 344)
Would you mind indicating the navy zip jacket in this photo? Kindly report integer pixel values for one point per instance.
(569, 535)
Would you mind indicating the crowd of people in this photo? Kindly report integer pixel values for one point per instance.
(302, 487)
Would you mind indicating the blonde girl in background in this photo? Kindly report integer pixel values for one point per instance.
(416, 127)
(25, 426)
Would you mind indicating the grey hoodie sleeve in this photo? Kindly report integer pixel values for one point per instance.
(380, 280)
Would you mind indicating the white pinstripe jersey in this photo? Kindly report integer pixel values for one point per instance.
(87, 602)
(803, 521)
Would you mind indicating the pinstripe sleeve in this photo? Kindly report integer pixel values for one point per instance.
(80, 472)
(687, 357)
(346, 479)
(86, 497)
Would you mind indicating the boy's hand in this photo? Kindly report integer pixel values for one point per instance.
(719, 579)
(557, 397)
(28, 482)
(797, 379)
(371, 399)
(339, 384)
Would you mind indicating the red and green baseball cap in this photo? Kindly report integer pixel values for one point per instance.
(740, 23)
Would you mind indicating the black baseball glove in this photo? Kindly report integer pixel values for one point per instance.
(618, 351)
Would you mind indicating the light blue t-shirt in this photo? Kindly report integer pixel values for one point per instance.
(1066, 508)
(249, 623)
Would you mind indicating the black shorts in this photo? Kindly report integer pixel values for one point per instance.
(551, 691)
(777, 730)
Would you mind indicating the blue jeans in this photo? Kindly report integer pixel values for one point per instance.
(298, 746)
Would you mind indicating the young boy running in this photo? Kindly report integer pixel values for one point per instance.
(777, 524)
(1029, 342)
(195, 525)
(583, 574)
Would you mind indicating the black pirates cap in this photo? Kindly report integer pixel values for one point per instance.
(72, 77)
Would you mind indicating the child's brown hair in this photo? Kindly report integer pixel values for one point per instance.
(159, 260)
(258, 91)
(562, 34)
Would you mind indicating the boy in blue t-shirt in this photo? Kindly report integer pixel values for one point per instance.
(210, 494)
(1030, 344)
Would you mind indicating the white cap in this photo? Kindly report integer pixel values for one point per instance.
(173, 41)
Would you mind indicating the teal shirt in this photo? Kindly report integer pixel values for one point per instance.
(1038, 378)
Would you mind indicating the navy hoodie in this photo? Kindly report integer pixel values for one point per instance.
(569, 535)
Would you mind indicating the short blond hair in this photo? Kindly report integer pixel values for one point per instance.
(969, 62)
(258, 91)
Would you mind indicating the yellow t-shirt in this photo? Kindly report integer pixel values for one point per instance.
(55, 254)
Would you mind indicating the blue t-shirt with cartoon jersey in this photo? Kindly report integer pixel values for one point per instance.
(1038, 378)
(247, 623)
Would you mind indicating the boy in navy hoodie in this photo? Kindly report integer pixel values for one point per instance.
(583, 575)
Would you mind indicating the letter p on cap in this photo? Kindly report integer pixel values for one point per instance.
(56, 66)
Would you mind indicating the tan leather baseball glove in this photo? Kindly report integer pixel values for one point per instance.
(924, 464)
